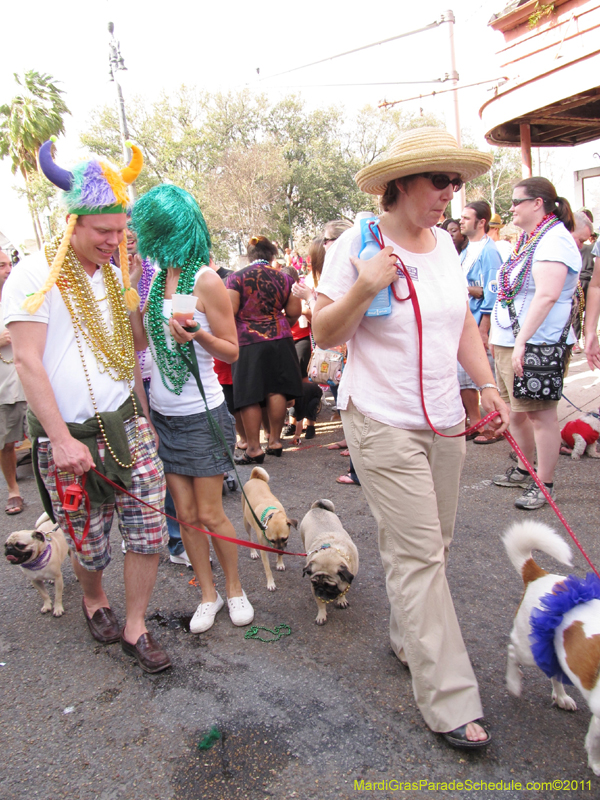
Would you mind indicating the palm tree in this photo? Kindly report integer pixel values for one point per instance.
(32, 116)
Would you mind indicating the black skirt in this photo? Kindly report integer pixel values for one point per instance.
(266, 368)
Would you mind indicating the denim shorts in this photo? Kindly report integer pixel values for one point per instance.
(188, 445)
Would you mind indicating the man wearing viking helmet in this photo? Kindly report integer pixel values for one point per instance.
(67, 312)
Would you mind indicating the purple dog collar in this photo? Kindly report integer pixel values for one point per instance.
(41, 561)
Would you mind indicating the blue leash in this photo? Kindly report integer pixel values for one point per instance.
(591, 413)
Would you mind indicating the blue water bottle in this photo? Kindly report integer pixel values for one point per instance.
(381, 305)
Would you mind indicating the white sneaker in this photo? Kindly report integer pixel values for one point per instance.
(205, 615)
(240, 610)
(182, 558)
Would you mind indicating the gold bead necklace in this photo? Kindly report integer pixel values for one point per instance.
(113, 351)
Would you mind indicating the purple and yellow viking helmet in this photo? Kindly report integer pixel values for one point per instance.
(93, 187)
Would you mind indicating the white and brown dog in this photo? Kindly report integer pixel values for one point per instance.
(40, 554)
(580, 436)
(273, 526)
(557, 626)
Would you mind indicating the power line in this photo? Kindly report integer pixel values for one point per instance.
(376, 83)
(356, 50)
(443, 91)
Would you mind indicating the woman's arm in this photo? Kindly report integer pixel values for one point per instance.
(213, 299)
(592, 313)
(549, 277)
(335, 322)
(293, 309)
(473, 358)
(140, 339)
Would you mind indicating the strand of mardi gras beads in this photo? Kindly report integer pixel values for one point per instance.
(114, 352)
(173, 369)
(143, 289)
(508, 289)
(113, 349)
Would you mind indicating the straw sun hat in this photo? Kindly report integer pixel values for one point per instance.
(422, 150)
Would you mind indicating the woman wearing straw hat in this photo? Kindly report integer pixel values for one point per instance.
(410, 474)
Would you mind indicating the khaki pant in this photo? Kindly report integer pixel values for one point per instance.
(411, 482)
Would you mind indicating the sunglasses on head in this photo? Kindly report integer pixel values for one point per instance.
(441, 181)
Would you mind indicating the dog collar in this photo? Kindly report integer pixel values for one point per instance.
(264, 519)
(327, 547)
(41, 561)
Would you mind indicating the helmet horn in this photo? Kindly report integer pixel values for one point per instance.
(133, 169)
(57, 175)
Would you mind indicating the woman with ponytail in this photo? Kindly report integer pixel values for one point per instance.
(538, 282)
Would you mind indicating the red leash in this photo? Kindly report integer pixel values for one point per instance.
(546, 493)
(412, 296)
(241, 542)
(69, 501)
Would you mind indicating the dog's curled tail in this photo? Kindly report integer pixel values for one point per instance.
(42, 519)
(260, 474)
(326, 504)
(523, 537)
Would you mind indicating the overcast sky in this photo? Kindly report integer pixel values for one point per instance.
(220, 46)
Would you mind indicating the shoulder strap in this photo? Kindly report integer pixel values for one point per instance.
(200, 272)
(513, 319)
(516, 329)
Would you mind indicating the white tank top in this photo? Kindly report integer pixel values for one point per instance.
(190, 400)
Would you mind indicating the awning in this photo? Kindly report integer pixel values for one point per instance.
(565, 120)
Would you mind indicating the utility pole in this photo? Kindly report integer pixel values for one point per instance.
(448, 16)
(116, 63)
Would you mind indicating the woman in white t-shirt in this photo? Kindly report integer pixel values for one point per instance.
(410, 475)
(538, 280)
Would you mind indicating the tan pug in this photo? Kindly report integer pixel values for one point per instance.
(271, 515)
(40, 554)
(332, 557)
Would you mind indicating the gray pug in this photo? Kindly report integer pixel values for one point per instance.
(40, 554)
(332, 557)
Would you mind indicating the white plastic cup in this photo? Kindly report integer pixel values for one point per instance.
(183, 307)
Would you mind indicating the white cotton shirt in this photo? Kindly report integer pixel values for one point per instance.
(556, 245)
(61, 360)
(381, 376)
(11, 390)
(190, 400)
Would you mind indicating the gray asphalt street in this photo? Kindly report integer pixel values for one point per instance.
(312, 714)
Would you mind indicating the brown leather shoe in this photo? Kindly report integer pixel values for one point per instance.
(149, 654)
(103, 624)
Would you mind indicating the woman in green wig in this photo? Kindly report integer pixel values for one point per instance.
(172, 232)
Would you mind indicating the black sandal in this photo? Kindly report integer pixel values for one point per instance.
(246, 459)
(458, 737)
(274, 451)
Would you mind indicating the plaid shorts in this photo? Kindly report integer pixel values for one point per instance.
(143, 530)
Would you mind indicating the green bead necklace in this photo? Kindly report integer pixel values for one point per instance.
(173, 369)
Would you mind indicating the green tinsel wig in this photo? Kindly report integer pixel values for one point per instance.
(170, 228)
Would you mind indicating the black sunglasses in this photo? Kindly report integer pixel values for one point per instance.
(441, 181)
(516, 201)
(326, 241)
